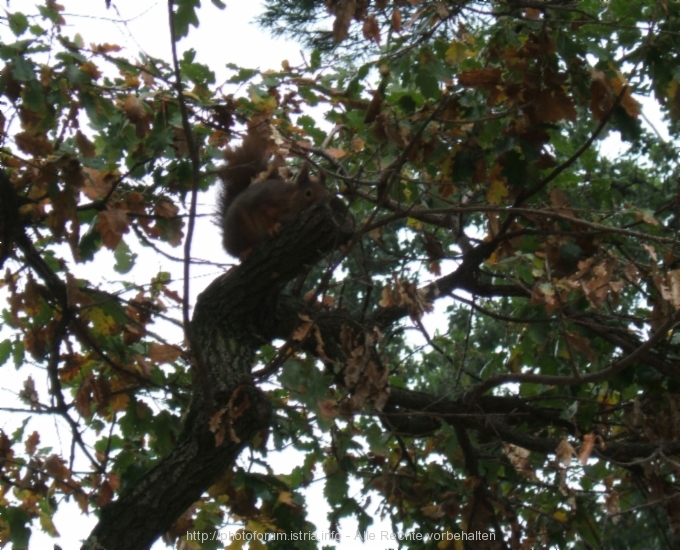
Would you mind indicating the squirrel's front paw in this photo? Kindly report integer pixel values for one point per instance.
(244, 255)
(275, 229)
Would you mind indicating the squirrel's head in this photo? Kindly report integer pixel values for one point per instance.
(312, 188)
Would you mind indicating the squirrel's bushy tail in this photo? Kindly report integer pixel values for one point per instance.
(243, 163)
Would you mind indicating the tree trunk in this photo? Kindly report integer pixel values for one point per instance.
(239, 312)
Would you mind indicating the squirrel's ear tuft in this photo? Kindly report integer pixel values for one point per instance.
(303, 175)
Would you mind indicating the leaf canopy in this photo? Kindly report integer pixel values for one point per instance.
(495, 348)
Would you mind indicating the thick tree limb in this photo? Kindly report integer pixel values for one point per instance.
(234, 316)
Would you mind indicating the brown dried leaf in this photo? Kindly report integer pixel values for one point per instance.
(114, 480)
(83, 502)
(32, 443)
(36, 341)
(388, 298)
(371, 29)
(600, 96)
(533, 13)
(105, 47)
(31, 297)
(627, 102)
(89, 68)
(396, 19)
(597, 288)
(560, 202)
(56, 467)
(327, 301)
(301, 332)
(364, 376)
(486, 79)
(96, 184)
(433, 511)
(611, 505)
(328, 409)
(564, 452)
(336, 152)
(217, 427)
(651, 251)
(415, 300)
(319, 344)
(374, 107)
(112, 224)
(519, 458)
(357, 144)
(133, 108)
(646, 217)
(581, 344)
(105, 494)
(35, 144)
(442, 10)
(494, 224)
(286, 497)
(586, 448)
(165, 209)
(631, 273)
(163, 353)
(85, 146)
(343, 11)
(673, 281)
(29, 395)
(83, 399)
(172, 294)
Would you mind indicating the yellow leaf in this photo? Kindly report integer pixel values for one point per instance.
(47, 526)
(497, 191)
(457, 52)
(287, 498)
(256, 527)
(561, 516)
(493, 259)
(627, 102)
(265, 104)
(119, 402)
(102, 323)
(414, 224)
(357, 144)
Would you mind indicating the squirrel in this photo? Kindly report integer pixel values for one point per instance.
(255, 199)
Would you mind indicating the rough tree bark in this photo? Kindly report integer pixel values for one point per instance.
(234, 316)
